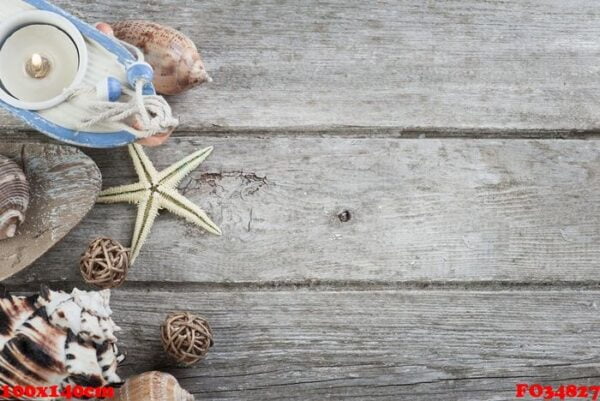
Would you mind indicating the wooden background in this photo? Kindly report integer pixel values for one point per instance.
(409, 194)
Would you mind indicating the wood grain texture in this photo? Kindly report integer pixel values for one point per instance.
(393, 345)
(314, 189)
(420, 210)
(64, 183)
(506, 65)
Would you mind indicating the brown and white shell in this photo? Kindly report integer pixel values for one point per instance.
(58, 339)
(152, 386)
(174, 57)
(14, 197)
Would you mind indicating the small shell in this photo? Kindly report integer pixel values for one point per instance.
(105, 28)
(152, 386)
(14, 197)
(174, 57)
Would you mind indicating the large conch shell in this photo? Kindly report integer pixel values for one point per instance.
(58, 339)
(14, 197)
(152, 386)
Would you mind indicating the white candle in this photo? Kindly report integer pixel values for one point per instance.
(41, 55)
(20, 72)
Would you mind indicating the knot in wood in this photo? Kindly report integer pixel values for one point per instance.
(345, 216)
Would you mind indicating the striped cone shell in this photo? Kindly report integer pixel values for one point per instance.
(14, 197)
(152, 386)
(56, 339)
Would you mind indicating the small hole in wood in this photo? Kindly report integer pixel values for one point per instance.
(345, 216)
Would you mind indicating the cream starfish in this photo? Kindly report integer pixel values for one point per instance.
(156, 191)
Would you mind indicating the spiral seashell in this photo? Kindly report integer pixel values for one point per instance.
(14, 197)
(55, 338)
(152, 386)
(174, 57)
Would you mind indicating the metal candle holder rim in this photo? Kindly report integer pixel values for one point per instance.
(40, 17)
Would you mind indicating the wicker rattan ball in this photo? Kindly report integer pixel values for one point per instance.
(186, 337)
(105, 263)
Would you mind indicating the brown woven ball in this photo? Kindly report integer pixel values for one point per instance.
(105, 263)
(186, 337)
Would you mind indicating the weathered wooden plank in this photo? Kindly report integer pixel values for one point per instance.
(63, 186)
(432, 210)
(464, 64)
(417, 345)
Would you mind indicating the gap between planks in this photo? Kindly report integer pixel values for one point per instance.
(29, 136)
(325, 286)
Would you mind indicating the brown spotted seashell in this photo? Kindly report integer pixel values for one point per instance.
(174, 57)
(58, 339)
(14, 197)
(152, 386)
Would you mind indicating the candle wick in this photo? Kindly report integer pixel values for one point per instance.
(37, 66)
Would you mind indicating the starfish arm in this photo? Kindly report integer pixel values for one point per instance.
(143, 166)
(147, 212)
(132, 193)
(172, 176)
(181, 206)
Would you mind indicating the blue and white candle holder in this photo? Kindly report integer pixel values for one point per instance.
(73, 83)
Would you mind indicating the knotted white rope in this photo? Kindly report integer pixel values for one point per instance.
(154, 112)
